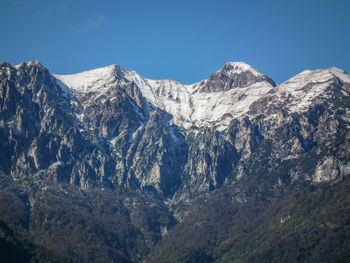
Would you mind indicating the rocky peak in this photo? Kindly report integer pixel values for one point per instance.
(235, 75)
(31, 63)
(92, 84)
(32, 68)
(26, 70)
(238, 67)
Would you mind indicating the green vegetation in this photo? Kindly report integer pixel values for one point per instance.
(15, 249)
(309, 224)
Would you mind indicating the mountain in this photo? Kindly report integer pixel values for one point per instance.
(109, 166)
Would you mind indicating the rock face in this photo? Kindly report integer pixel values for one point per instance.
(89, 152)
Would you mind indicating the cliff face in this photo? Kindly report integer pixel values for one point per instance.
(117, 160)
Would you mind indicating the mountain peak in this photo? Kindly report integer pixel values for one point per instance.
(317, 76)
(90, 80)
(235, 75)
(31, 63)
(238, 67)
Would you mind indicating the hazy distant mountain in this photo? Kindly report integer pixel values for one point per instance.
(108, 166)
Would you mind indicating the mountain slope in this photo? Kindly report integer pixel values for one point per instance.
(308, 224)
(16, 249)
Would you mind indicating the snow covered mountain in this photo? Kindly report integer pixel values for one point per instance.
(236, 93)
(199, 105)
(226, 95)
(120, 159)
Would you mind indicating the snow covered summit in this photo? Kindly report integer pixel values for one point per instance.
(211, 102)
(227, 94)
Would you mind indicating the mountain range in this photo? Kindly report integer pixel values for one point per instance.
(109, 166)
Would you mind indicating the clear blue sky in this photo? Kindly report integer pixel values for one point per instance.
(181, 40)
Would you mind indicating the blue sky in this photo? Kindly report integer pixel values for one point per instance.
(182, 40)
